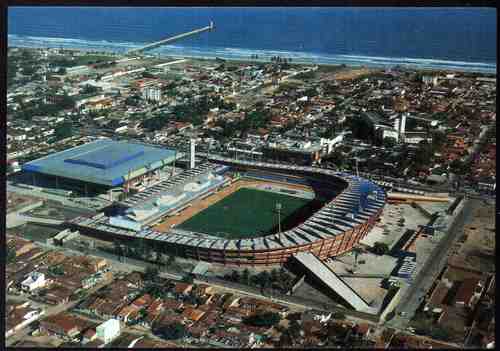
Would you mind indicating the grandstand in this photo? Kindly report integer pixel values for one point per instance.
(167, 197)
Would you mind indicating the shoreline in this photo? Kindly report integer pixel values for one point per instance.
(243, 55)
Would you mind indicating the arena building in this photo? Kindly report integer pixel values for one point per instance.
(103, 164)
(348, 211)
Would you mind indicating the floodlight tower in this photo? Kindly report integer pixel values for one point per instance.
(278, 208)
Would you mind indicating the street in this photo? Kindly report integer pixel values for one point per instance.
(433, 266)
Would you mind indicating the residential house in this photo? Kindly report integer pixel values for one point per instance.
(19, 316)
(203, 289)
(20, 245)
(468, 289)
(135, 280)
(153, 311)
(57, 294)
(88, 336)
(127, 314)
(182, 288)
(34, 281)
(62, 325)
(193, 314)
(142, 302)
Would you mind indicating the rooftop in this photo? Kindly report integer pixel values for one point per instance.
(105, 161)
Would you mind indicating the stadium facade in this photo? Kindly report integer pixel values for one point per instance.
(330, 231)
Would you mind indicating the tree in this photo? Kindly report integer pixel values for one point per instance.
(235, 276)
(440, 333)
(66, 102)
(143, 313)
(285, 340)
(438, 140)
(11, 72)
(28, 70)
(151, 273)
(56, 270)
(171, 261)
(389, 142)
(264, 279)
(362, 128)
(147, 74)
(338, 315)
(172, 331)
(265, 319)
(89, 89)
(458, 167)
(11, 255)
(63, 131)
(390, 315)
(380, 248)
(132, 100)
(274, 275)
(245, 276)
(188, 278)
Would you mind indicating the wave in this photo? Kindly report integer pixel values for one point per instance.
(245, 53)
(419, 60)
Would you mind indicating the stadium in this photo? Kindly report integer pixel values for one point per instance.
(235, 212)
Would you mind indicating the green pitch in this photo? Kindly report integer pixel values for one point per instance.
(246, 213)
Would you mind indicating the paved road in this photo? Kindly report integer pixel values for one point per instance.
(435, 263)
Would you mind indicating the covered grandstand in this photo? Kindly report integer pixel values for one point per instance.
(332, 230)
(104, 162)
(166, 198)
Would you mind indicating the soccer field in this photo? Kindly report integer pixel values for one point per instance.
(246, 213)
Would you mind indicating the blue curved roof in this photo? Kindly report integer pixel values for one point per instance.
(104, 161)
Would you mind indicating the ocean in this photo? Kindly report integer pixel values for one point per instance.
(442, 38)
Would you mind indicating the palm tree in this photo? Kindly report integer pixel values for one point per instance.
(245, 277)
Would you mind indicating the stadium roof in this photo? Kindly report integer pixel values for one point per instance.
(105, 161)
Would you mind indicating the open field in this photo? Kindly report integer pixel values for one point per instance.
(200, 205)
(353, 73)
(245, 213)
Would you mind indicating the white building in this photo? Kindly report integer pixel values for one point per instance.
(387, 132)
(431, 80)
(108, 330)
(152, 93)
(330, 143)
(34, 281)
(121, 129)
(77, 70)
(416, 137)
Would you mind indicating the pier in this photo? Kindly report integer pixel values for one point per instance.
(172, 39)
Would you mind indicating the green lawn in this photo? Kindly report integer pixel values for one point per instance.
(246, 213)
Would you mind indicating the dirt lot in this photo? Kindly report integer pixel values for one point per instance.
(477, 253)
(199, 205)
(16, 202)
(353, 73)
